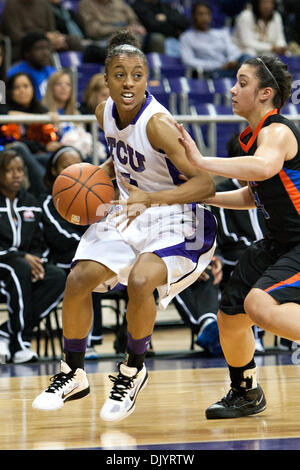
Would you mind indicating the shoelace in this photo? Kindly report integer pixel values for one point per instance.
(59, 380)
(232, 398)
(121, 386)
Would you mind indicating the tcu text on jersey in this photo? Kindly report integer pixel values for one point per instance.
(125, 154)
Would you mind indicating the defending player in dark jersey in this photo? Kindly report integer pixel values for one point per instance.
(265, 286)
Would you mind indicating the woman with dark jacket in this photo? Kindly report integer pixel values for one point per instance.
(31, 285)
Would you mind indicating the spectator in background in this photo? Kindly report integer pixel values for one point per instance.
(62, 237)
(67, 22)
(259, 30)
(20, 17)
(60, 99)
(164, 24)
(39, 138)
(95, 93)
(102, 18)
(207, 50)
(32, 286)
(32, 141)
(36, 54)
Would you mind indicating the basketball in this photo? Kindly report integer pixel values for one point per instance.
(81, 193)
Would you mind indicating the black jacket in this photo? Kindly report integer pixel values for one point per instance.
(62, 237)
(237, 229)
(175, 24)
(25, 235)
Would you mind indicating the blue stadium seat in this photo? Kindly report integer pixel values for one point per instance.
(162, 65)
(160, 90)
(191, 91)
(70, 4)
(70, 59)
(224, 131)
(83, 74)
(222, 88)
(292, 62)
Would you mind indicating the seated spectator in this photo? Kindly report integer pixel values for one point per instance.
(67, 22)
(36, 54)
(20, 17)
(95, 93)
(209, 50)
(32, 286)
(40, 138)
(164, 24)
(101, 19)
(259, 30)
(32, 141)
(198, 305)
(60, 98)
(62, 237)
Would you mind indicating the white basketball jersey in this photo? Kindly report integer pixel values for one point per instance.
(134, 157)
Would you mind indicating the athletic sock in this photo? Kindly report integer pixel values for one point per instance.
(74, 350)
(137, 349)
(243, 378)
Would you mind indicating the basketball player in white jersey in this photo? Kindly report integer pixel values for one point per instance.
(165, 245)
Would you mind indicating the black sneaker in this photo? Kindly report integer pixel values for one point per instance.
(237, 404)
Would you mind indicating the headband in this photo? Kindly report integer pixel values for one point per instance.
(61, 151)
(269, 71)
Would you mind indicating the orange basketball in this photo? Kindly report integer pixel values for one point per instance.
(81, 193)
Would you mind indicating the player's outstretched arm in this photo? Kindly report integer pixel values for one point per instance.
(275, 143)
(238, 199)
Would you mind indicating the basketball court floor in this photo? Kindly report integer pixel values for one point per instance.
(170, 411)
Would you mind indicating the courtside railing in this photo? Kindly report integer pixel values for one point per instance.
(211, 121)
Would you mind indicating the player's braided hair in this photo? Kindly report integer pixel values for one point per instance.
(123, 42)
(272, 72)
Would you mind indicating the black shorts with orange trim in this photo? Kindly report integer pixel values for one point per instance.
(267, 265)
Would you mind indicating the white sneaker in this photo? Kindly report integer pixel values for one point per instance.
(91, 354)
(4, 350)
(122, 398)
(24, 355)
(67, 385)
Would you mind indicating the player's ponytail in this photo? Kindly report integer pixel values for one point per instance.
(123, 42)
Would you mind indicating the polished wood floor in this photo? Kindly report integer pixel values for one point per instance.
(170, 411)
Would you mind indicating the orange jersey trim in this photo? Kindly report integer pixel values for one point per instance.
(246, 147)
(291, 189)
(291, 280)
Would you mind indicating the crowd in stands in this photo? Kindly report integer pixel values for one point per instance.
(209, 39)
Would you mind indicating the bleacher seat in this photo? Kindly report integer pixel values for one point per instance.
(69, 59)
(161, 91)
(214, 144)
(222, 87)
(164, 66)
(292, 62)
(83, 73)
(70, 4)
(191, 92)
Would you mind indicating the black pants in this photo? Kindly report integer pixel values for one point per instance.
(198, 302)
(27, 302)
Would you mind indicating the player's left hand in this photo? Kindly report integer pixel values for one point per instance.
(192, 153)
(137, 202)
(217, 270)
